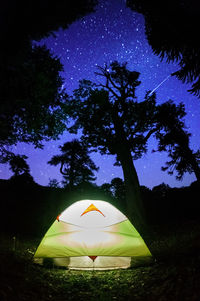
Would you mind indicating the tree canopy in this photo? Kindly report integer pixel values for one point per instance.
(172, 30)
(174, 138)
(18, 165)
(24, 21)
(115, 122)
(31, 93)
(31, 101)
(75, 164)
(108, 112)
(31, 98)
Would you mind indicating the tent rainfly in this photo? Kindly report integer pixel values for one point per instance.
(92, 234)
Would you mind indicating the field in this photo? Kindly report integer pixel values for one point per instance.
(174, 274)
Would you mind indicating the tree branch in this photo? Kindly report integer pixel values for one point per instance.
(61, 169)
(150, 133)
(110, 89)
(106, 74)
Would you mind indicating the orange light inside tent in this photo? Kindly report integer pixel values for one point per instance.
(92, 208)
(93, 258)
(58, 218)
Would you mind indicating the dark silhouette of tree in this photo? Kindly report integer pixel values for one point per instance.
(161, 190)
(30, 84)
(114, 122)
(25, 21)
(22, 21)
(75, 164)
(54, 183)
(106, 188)
(174, 138)
(31, 101)
(172, 30)
(21, 170)
(18, 165)
(119, 193)
(118, 189)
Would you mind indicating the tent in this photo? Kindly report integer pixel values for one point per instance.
(92, 234)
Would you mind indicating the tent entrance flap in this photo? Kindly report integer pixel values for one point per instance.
(93, 257)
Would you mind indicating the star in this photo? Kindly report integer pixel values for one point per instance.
(113, 32)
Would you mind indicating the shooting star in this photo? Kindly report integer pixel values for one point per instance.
(159, 85)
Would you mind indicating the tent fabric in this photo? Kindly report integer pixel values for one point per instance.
(92, 234)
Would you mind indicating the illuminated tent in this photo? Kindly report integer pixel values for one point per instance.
(92, 234)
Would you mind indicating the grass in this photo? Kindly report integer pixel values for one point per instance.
(175, 275)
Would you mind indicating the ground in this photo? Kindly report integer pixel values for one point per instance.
(174, 274)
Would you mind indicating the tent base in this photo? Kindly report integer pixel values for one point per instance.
(98, 269)
(86, 263)
(100, 263)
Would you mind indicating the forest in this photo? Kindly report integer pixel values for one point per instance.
(29, 208)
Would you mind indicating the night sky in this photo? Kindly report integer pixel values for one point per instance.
(113, 32)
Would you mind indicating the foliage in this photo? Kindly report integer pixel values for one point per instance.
(174, 138)
(23, 179)
(54, 183)
(183, 160)
(18, 165)
(161, 190)
(30, 84)
(76, 165)
(20, 168)
(35, 19)
(105, 111)
(171, 36)
(106, 188)
(30, 209)
(118, 189)
(114, 122)
(31, 99)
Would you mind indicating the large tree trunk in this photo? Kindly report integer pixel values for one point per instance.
(134, 204)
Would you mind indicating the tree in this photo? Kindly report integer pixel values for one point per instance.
(114, 122)
(31, 106)
(18, 165)
(22, 21)
(54, 183)
(119, 193)
(30, 84)
(174, 138)
(161, 190)
(106, 188)
(21, 170)
(118, 189)
(75, 164)
(172, 30)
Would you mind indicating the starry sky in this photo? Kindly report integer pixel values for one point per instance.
(113, 32)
